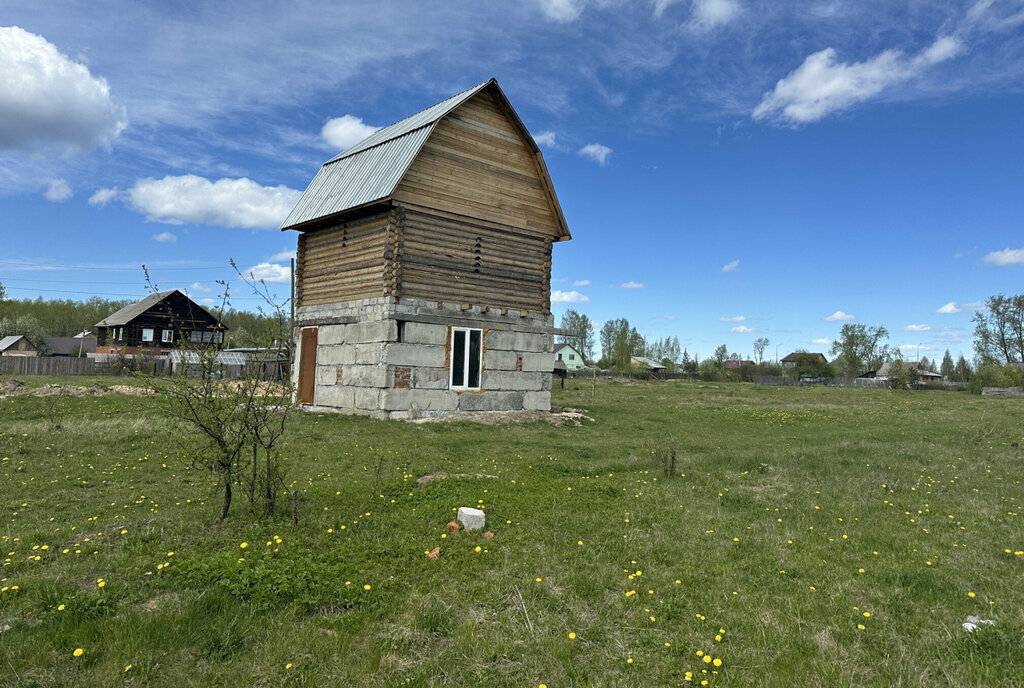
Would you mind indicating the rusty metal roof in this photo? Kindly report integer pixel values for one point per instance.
(370, 170)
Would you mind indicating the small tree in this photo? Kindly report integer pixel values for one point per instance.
(902, 375)
(760, 344)
(947, 369)
(231, 427)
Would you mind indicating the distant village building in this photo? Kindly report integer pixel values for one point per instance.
(159, 323)
(644, 363)
(423, 273)
(791, 360)
(17, 345)
(923, 374)
(570, 356)
(76, 346)
(735, 364)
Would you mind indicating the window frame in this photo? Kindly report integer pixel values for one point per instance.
(148, 334)
(468, 338)
(167, 336)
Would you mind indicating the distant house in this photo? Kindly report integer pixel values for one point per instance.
(734, 365)
(646, 364)
(159, 323)
(71, 346)
(923, 374)
(790, 361)
(17, 345)
(570, 356)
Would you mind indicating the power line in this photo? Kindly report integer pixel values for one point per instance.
(134, 296)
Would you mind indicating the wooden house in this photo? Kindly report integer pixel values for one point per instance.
(790, 360)
(159, 323)
(423, 273)
(17, 345)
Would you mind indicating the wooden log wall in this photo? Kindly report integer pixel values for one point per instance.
(444, 259)
(476, 164)
(345, 263)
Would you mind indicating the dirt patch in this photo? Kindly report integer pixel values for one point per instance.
(567, 416)
(15, 388)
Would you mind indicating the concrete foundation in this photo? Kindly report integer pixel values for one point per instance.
(389, 359)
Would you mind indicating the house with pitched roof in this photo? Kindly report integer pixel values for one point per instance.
(159, 323)
(17, 345)
(423, 271)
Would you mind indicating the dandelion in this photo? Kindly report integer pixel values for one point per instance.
(861, 627)
(572, 636)
(478, 549)
(128, 668)
(707, 659)
(629, 660)
(717, 662)
(244, 545)
(288, 665)
(366, 587)
(971, 595)
(78, 652)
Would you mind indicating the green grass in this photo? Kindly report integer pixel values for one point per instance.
(785, 495)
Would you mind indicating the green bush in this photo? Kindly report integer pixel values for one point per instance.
(995, 375)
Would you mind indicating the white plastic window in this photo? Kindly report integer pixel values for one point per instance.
(167, 336)
(466, 358)
(147, 334)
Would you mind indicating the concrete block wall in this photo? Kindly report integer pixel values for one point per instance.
(378, 368)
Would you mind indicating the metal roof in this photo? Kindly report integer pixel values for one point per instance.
(649, 362)
(134, 310)
(370, 170)
(9, 341)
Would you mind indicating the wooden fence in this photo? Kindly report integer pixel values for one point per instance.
(47, 365)
(1002, 391)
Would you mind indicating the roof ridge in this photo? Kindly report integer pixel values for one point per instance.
(355, 148)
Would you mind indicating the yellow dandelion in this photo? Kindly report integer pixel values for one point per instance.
(244, 545)
(288, 665)
(78, 652)
(572, 636)
(366, 587)
(629, 660)
(717, 662)
(707, 659)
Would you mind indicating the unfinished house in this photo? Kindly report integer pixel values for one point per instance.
(424, 267)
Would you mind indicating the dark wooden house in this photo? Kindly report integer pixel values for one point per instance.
(159, 323)
(424, 266)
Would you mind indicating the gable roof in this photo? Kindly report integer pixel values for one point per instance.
(134, 310)
(370, 171)
(561, 345)
(792, 358)
(64, 346)
(9, 341)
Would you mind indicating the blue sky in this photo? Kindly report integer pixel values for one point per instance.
(729, 169)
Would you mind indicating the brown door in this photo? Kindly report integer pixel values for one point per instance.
(307, 365)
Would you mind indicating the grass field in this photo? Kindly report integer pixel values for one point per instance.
(808, 537)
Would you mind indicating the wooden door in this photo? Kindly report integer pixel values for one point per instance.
(307, 365)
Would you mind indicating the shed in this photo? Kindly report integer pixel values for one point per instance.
(647, 364)
(160, 322)
(423, 272)
(17, 345)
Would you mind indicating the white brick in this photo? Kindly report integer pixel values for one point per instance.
(365, 376)
(490, 401)
(537, 401)
(503, 380)
(334, 396)
(421, 399)
(338, 354)
(543, 362)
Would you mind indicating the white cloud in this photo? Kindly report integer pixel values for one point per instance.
(710, 14)
(165, 237)
(954, 307)
(561, 10)
(568, 297)
(346, 131)
(915, 347)
(58, 190)
(547, 139)
(581, 283)
(48, 99)
(632, 285)
(743, 329)
(596, 152)
(731, 267)
(917, 328)
(103, 196)
(733, 318)
(271, 273)
(225, 202)
(197, 286)
(286, 254)
(824, 341)
(839, 316)
(661, 5)
(821, 85)
(1008, 256)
